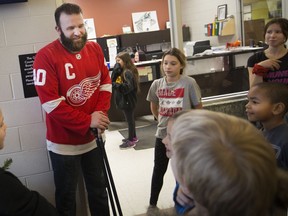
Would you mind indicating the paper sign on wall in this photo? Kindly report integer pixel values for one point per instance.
(26, 66)
(145, 21)
(112, 48)
(90, 28)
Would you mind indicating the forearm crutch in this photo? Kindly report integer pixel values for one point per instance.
(107, 174)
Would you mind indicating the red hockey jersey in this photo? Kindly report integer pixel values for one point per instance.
(71, 86)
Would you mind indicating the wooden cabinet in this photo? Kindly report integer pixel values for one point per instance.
(140, 39)
(153, 37)
(144, 38)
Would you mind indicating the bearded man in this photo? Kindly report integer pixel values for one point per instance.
(74, 87)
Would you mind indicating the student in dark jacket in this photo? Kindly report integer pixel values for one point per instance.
(125, 83)
(15, 198)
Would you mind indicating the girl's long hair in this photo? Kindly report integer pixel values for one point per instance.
(129, 65)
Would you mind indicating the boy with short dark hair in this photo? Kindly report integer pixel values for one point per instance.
(268, 104)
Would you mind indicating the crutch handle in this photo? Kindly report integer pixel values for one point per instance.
(94, 131)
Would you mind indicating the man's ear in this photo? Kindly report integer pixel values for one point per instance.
(57, 28)
(278, 108)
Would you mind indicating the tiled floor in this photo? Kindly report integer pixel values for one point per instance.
(132, 171)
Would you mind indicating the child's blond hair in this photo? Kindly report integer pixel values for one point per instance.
(226, 164)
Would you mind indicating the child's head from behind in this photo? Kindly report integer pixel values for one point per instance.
(225, 162)
(167, 139)
(173, 60)
(267, 101)
(2, 130)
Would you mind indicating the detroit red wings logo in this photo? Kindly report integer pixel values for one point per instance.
(78, 94)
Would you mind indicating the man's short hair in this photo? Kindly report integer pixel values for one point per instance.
(275, 92)
(67, 8)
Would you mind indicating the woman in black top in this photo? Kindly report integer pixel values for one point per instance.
(271, 65)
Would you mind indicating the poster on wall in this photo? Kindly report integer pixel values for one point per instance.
(90, 28)
(145, 21)
(26, 66)
(112, 49)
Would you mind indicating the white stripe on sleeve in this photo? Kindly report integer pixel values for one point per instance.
(51, 105)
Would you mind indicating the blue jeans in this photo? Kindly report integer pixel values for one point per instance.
(66, 174)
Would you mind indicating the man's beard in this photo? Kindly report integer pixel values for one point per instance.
(71, 45)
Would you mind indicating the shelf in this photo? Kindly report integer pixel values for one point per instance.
(221, 28)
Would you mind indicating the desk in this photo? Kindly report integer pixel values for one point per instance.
(222, 72)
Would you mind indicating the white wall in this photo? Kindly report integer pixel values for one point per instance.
(197, 13)
(24, 28)
(285, 6)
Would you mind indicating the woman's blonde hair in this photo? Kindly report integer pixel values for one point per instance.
(226, 163)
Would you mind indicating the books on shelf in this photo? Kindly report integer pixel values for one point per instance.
(220, 28)
(212, 29)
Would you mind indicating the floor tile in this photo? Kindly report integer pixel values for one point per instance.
(132, 171)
